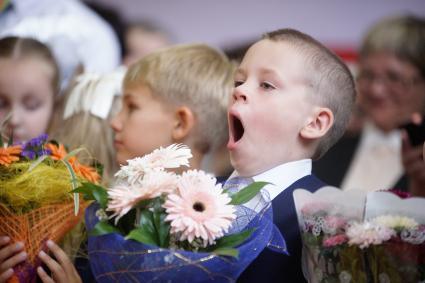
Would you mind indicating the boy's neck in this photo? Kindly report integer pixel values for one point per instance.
(195, 161)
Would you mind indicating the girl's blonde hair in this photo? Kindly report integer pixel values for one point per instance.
(87, 107)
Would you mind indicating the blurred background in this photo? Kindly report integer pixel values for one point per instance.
(339, 24)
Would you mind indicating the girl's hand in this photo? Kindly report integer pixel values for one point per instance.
(62, 269)
(10, 255)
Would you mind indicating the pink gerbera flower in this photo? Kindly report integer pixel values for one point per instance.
(122, 198)
(199, 209)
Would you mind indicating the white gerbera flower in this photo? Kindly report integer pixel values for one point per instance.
(123, 198)
(173, 156)
(199, 209)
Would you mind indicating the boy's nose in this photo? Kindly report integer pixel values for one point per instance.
(238, 94)
(115, 123)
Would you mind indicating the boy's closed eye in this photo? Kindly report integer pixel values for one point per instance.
(267, 86)
(238, 83)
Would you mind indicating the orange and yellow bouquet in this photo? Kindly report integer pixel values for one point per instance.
(36, 203)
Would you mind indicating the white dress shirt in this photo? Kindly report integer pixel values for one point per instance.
(377, 161)
(76, 34)
(279, 177)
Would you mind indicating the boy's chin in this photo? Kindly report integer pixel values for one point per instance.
(244, 166)
(121, 159)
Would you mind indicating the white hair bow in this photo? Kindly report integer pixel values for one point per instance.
(94, 93)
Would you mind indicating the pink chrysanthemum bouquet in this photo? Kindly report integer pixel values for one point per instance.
(359, 237)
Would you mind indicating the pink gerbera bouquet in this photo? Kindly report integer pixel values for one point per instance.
(155, 224)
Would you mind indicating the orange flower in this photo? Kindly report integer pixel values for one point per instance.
(58, 153)
(86, 172)
(9, 154)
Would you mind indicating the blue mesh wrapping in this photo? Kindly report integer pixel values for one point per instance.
(114, 259)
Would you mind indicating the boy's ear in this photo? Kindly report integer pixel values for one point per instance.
(184, 122)
(319, 124)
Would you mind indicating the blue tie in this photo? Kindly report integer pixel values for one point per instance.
(235, 184)
(243, 214)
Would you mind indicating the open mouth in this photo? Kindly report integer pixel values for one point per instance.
(237, 128)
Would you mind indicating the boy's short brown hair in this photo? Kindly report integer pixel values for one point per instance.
(194, 75)
(329, 79)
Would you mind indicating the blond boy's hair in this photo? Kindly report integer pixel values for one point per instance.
(196, 76)
(329, 79)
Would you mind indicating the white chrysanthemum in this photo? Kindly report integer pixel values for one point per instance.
(368, 233)
(199, 209)
(123, 198)
(173, 156)
(394, 222)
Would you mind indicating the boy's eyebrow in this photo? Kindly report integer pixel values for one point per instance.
(263, 71)
(127, 96)
(267, 71)
(239, 71)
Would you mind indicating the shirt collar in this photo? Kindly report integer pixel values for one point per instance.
(282, 176)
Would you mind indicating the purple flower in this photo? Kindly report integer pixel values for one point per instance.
(34, 148)
(28, 154)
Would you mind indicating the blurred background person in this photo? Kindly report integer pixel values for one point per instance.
(391, 87)
(141, 38)
(78, 37)
(29, 87)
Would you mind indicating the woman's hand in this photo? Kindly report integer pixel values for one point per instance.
(62, 269)
(10, 255)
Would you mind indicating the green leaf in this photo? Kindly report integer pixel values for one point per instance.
(142, 235)
(74, 185)
(161, 226)
(147, 226)
(93, 192)
(231, 241)
(247, 193)
(227, 252)
(103, 228)
(146, 221)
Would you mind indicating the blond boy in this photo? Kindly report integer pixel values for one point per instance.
(291, 103)
(175, 95)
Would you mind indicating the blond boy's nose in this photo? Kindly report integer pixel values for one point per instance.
(115, 123)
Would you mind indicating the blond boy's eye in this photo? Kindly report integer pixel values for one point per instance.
(238, 83)
(131, 106)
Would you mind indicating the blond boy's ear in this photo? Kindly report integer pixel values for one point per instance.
(318, 124)
(184, 122)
